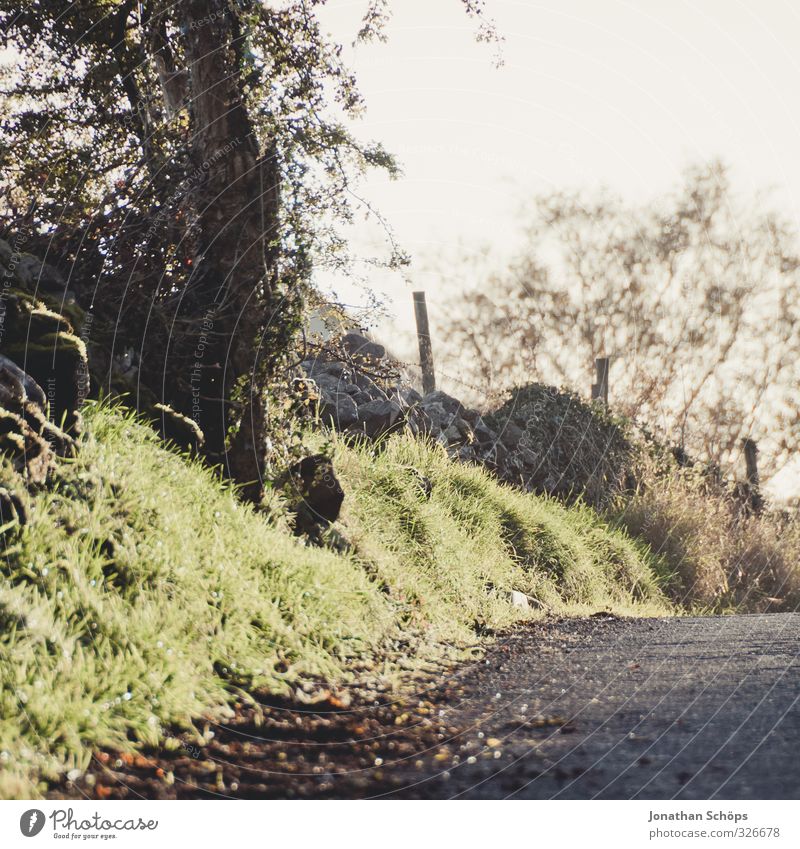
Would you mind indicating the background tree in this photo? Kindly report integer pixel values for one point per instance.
(186, 163)
(695, 298)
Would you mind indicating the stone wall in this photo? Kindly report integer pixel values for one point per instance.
(361, 391)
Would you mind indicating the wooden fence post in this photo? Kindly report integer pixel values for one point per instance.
(755, 501)
(424, 339)
(600, 389)
(750, 447)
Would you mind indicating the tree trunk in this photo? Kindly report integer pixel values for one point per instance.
(236, 202)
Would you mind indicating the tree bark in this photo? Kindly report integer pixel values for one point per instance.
(236, 203)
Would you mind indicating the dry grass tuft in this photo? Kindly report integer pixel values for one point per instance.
(721, 557)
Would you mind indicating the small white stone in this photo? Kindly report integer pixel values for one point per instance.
(519, 600)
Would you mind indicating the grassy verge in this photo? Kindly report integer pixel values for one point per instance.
(141, 594)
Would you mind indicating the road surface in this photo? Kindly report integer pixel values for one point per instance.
(693, 708)
(674, 708)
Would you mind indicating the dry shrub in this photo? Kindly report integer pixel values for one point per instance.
(764, 563)
(716, 555)
(572, 449)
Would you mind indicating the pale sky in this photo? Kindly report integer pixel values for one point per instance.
(592, 92)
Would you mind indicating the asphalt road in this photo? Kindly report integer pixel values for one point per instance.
(693, 708)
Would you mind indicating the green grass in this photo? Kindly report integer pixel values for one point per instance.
(141, 594)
